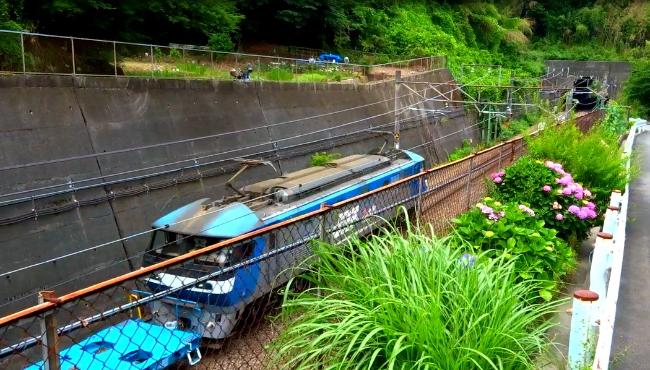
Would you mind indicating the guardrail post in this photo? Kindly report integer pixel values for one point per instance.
(582, 338)
(152, 60)
(115, 58)
(74, 69)
(600, 268)
(49, 341)
(22, 51)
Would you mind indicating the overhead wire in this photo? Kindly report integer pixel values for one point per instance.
(71, 184)
(184, 220)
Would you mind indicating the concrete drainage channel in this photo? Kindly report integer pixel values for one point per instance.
(594, 310)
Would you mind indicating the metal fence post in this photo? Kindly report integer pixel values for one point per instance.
(115, 58)
(22, 51)
(74, 69)
(469, 180)
(49, 341)
(582, 338)
(418, 202)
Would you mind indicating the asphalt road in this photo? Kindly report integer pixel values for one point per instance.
(631, 346)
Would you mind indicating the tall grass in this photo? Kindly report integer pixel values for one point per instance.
(410, 302)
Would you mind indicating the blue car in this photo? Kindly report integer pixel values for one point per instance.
(329, 57)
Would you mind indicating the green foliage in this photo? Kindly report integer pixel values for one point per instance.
(513, 231)
(524, 182)
(594, 158)
(278, 74)
(408, 301)
(461, 152)
(614, 121)
(637, 88)
(221, 41)
(323, 158)
(518, 126)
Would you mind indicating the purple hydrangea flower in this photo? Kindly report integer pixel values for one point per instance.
(567, 191)
(573, 209)
(591, 205)
(590, 213)
(565, 180)
(486, 210)
(582, 214)
(527, 210)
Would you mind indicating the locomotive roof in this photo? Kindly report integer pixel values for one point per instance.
(316, 177)
(200, 218)
(219, 219)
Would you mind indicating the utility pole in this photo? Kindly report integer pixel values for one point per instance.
(398, 78)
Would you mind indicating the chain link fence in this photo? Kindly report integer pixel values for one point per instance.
(215, 307)
(33, 53)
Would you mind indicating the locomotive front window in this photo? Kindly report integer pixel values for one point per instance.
(168, 245)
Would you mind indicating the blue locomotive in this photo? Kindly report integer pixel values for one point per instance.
(213, 307)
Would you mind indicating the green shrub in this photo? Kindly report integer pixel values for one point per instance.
(323, 158)
(410, 302)
(637, 87)
(615, 121)
(513, 231)
(594, 158)
(551, 192)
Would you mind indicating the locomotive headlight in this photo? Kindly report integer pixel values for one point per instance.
(222, 258)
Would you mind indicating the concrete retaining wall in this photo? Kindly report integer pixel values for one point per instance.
(50, 117)
(613, 73)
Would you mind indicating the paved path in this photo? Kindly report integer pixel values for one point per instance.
(631, 346)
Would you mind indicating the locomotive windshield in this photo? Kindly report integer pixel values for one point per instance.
(167, 245)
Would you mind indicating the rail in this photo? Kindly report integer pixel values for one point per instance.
(37, 53)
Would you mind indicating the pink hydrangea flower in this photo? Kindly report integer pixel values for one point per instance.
(567, 191)
(498, 180)
(587, 194)
(591, 205)
(559, 217)
(494, 175)
(546, 188)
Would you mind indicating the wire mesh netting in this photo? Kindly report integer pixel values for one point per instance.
(213, 303)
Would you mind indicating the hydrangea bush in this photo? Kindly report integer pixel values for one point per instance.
(515, 231)
(558, 199)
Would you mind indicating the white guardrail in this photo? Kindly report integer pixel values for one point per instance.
(594, 310)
